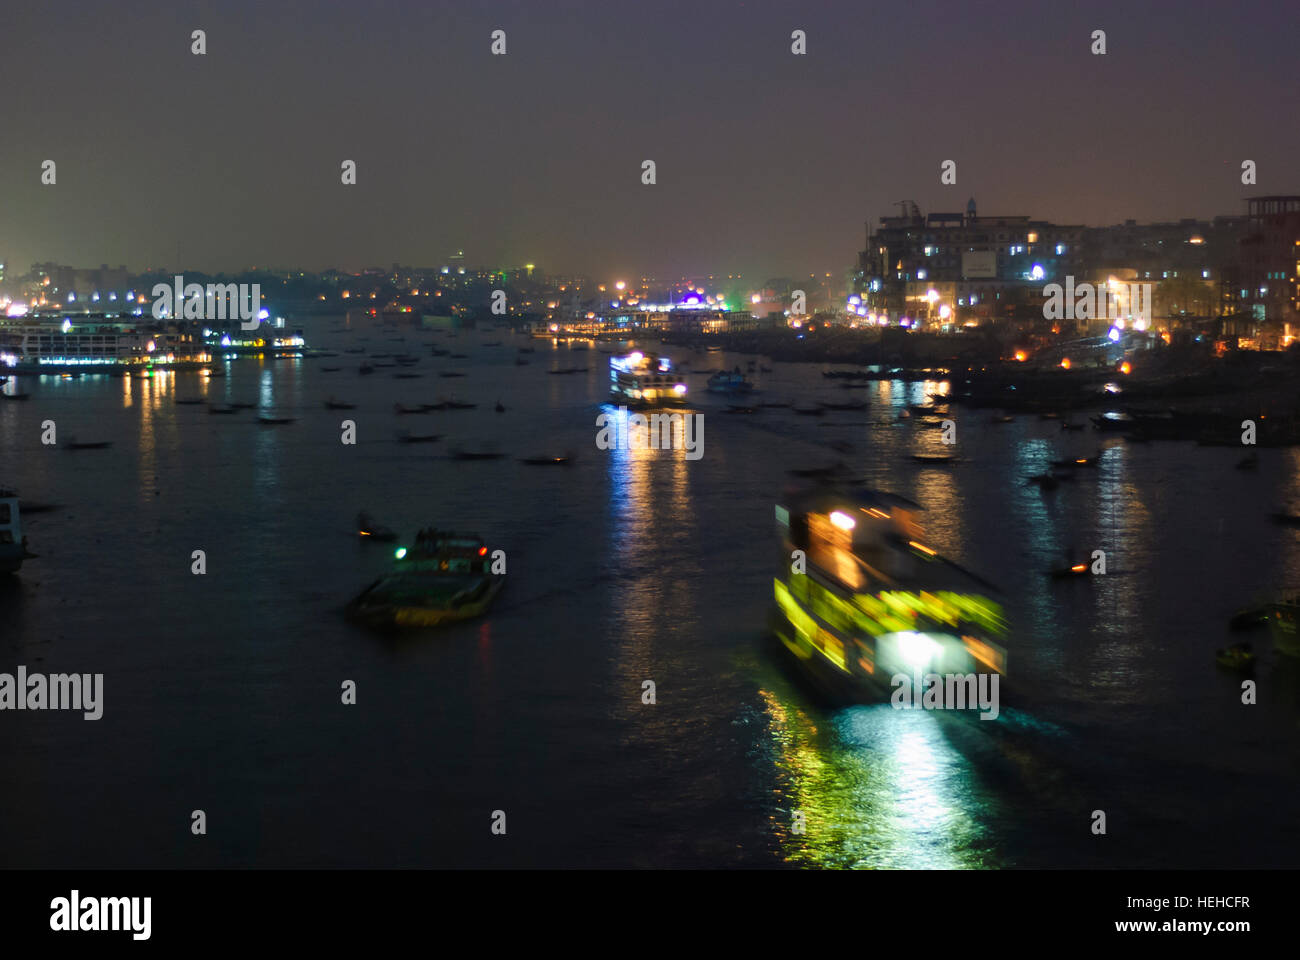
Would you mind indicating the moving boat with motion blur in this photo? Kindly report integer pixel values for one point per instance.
(644, 380)
(872, 600)
(443, 578)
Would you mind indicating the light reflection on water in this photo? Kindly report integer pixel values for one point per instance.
(879, 788)
(627, 566)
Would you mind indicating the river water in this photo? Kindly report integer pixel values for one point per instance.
(223, 691)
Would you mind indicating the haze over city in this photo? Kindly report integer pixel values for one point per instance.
(767, 163)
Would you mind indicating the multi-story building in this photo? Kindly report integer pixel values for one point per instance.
(949, 268)
(1266, 274)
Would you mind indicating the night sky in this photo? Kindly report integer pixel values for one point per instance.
(768, 163)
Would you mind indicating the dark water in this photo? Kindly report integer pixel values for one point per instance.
(222, 691)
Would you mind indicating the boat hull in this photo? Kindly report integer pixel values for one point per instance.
(437, 609)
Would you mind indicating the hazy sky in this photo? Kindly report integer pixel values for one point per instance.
(768, 163)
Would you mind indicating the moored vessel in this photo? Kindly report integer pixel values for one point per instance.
(733, 382)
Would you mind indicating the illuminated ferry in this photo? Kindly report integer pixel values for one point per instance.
(57, 341)
(101, 342)
(871, 600)
(644, 380)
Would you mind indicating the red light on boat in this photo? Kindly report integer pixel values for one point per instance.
(482, 551)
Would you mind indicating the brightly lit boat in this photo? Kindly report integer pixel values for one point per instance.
(13, 546)
(444, 578)
(873, 601)
(644, 380)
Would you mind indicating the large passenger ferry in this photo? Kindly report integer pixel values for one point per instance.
(644, 380)
(865, 599)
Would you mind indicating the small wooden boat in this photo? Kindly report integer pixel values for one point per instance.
(809, 411)
(453, 405)
(190, 401)
(16, 396)
(458, 356)
(332, 404)
(368, 529)
(448, 374)
(407, 376)
(1251, 617)
(269, 421)
(408, 437)
(1250, 462)
(500, 407)
(540, 461)
(935, 459)
(93, 445)
(1238, 656)
(221, 409)
(520, 362)
(733, 408)
(418, 408)
(1006, 418)
(1067, 425)
(460, 454)
(243, 406)
(36, 507)
(365, 368)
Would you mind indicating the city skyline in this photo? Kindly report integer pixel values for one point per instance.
(522, 158)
